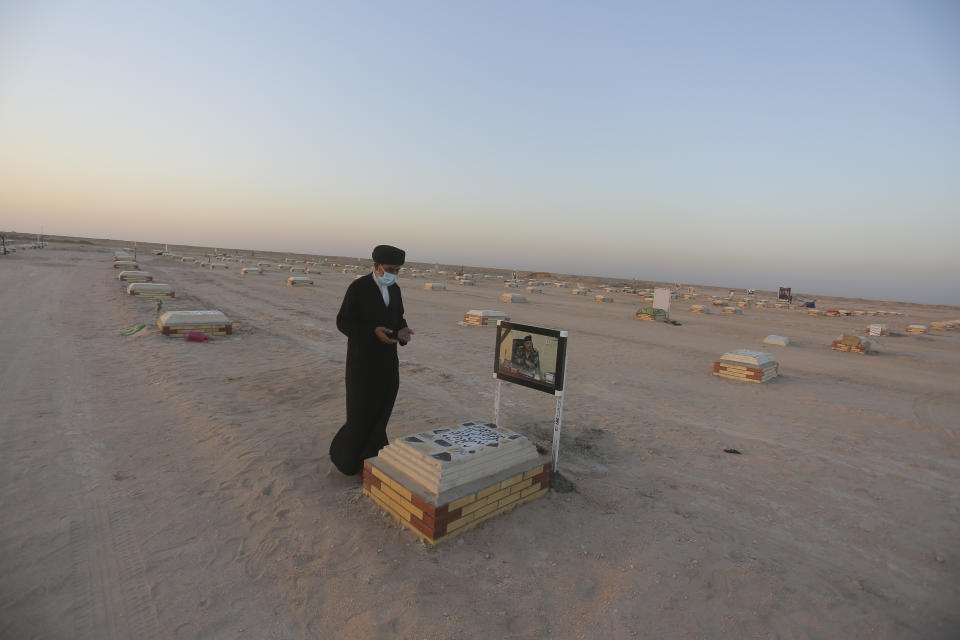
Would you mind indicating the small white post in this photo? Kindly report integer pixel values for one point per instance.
(558, 415)
(496, 402)
(557, 424)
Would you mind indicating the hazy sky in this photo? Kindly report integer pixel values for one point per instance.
(805, 144)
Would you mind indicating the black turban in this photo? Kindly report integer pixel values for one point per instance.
(385, 254)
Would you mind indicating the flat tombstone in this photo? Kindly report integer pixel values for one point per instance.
(434, 286)
(264, 264)
(602, 299)
(218, 265)
(298, 270)
(699, 308)
(251, 270)
(151, 290)
(781, 341)
(134, 276)
(178, 324)
(916, 328)
(534, 290)
(512, 297)
(299, 281)
(126, 265)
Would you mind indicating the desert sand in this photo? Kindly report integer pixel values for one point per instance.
(159, 488)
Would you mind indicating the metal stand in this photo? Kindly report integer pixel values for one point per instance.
(557, 415)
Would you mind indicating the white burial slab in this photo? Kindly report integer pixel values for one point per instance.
(218, 265)
(776, 340)
(602, 299)
(126, 265)
(150, 289)
(434, 286)
(298, 269)
(134, 276)
(248, 270)
(512, 297)
(758, 359)
(534, 290)
(192, 319)
(299, 281)
(445, 458)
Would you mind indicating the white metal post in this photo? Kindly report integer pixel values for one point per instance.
(557, 423)
(558, 415)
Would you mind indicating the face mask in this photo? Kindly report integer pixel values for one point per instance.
(387, 279)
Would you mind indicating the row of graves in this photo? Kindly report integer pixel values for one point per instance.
(192, 325)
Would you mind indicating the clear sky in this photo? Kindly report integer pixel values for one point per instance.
(745, 144)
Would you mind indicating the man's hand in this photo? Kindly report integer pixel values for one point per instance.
(381, 333)
(405, 334)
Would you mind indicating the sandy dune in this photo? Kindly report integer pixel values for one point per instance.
(157, 488)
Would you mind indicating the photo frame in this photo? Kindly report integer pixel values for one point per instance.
(530, 356)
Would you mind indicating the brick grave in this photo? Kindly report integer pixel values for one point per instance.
(442, 482)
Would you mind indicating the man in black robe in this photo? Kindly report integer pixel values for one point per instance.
(371, 316)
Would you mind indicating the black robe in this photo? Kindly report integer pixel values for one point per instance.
(372, 372)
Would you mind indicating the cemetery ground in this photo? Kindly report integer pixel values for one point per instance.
(152, 487)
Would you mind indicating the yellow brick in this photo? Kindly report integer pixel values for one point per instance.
(386, 506)
(532, 472)
(459, 522)
(510, 498)
(520, 486)
(380, 474)
(479, 504)
(533, 495)
(462, 502)
(396, 509)
(401, 501)
(500, 494)
(483, 493)
(490, 508)
(509, 481)
(530, 491)
(400, 489)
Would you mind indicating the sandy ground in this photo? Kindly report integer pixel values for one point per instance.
(155, 488)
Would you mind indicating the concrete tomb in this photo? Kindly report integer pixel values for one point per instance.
(442, 482)
(178, 324)
(434, 286)
(251, 270)
(877, 329)
(512, 297)
(781, 341)
(650, 314)
(484, 317)
(851, 343)
(151, 290)
(746, 365)
(299, 281)
(134, 276)
(126, 265)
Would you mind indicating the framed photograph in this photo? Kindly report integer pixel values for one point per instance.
(530, 356)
